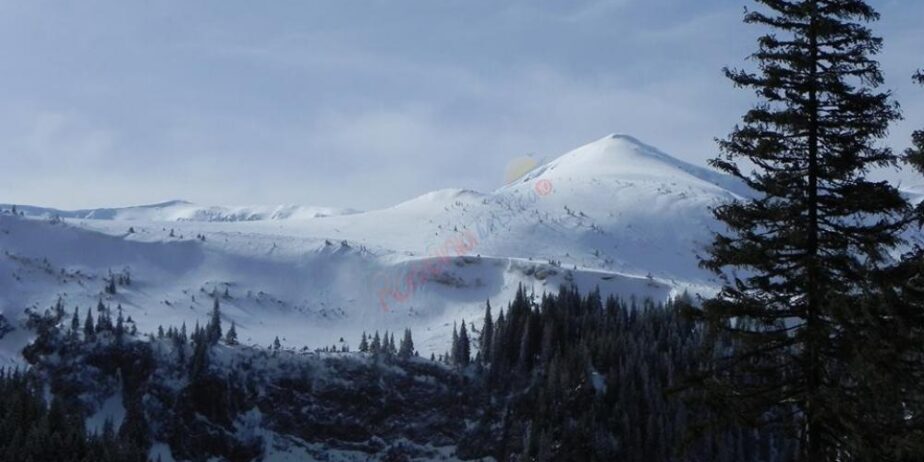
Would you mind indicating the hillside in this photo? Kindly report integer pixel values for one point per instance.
(615, 213)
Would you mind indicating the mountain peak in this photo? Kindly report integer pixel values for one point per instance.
(622, 137)
(622, 144)
(620, 156)
(625, 158)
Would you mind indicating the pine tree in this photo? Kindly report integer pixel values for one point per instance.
(75, 320)
(376, 346)
(407, 345)
(111, 284)
(276, 344)
(104, 319)
(487, 335)
(231, 336)
(364, 343)
(120, 323)
(525, 360)
(199, 362)
(454, 346)
(905, 305)
(499, 347)
(463, 354)
(89, 331)
(386, 344)
(817, 233)
(214, 327)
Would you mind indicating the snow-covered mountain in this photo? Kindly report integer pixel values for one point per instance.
(615, 214)
(178, 210)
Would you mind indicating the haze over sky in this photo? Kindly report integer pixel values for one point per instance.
(365, 103)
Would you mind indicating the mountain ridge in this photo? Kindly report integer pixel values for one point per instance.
(614, 214)
(182, 210)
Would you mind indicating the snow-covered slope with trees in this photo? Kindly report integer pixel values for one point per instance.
(615, 213)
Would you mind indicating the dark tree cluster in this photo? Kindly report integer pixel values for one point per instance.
(53, 329)
(386, 346)
(33, 430)
(559, 377)
(113, 281)
(572, 377)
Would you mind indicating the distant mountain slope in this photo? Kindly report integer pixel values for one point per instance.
(307, 291)
(615, 214)
(178, 210)
(614, 205)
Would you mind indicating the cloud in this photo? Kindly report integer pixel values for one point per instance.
(35, 145)
(64, 140)
(363, 104)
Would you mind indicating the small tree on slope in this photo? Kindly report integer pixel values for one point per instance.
(231, 335)
(407, 345)
(214, 326)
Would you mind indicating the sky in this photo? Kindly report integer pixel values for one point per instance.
(364, 104)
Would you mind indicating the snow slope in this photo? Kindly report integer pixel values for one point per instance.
(615, 214)
(178, 210)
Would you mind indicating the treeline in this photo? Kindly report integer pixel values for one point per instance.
(52, 324)
(572, 377)
(32, 429)
(566, 376)
(385, 346)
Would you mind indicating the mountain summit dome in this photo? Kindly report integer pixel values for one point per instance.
(623, 158)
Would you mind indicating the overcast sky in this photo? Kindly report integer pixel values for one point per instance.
(364, 103)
